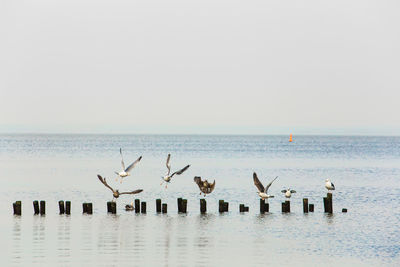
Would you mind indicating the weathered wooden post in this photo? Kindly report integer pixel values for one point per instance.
(305, 205)
(36, 207)
(68, 207)
(311, 207)
(184, 205)
(283, 206)
(246, 209)
(179, 200)
(17, 206)
(330, 204)
(42, 207)
(241, 208)
(287, 204)
(89, 208)
(84, 208)
(61, 207)
(226, 206)
(263, 206)
(344, 210)
(203, 206)
(325, 204)
(143, 207)
(164, 208)
(221, 205)
(113, 207)
(158, 205)
(137, 206)
(109, 210)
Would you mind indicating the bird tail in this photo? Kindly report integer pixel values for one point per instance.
(117, 173)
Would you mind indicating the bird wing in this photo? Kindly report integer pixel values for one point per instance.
(122, 159)
(292, 191)
(130, 167)
(212, 186)
(283, 191)
(333, 186)
(257, 182)
(197, 180)
(168, 164)
(268, 185)
(180, 171)
(137, 191)
(103, 180)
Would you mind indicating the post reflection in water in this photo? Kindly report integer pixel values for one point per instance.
(39, 240)
(16, 241)
(64, 240)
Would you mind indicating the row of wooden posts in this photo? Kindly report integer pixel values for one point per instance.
(140, 207)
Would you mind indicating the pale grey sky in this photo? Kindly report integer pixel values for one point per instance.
(209, 66)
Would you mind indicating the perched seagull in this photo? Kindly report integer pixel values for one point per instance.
(329, 185)
(288, 192)
(126, 172)
(262, 192)
(167, 178)
(116, 193)
(205, 186)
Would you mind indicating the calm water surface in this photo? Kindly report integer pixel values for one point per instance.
(365, 170)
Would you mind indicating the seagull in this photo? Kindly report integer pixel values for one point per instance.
(329, 185)
(263, 192)
(288, 192)
(126, 172)
(167, 178)
(205, 186)
(129, 207)
(116, 193)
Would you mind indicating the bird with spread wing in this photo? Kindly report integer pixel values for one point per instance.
(126, 171)
(263, 192)
(116, 193)
(288, 192)
(204, 186)
(167, 178)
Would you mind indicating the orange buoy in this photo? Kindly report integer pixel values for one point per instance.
(290, 138)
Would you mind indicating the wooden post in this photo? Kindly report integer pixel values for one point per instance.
(89, 209)
(164, 208)
(158, 205)
(311, 208)
(143, 207)
(246, 209)
(262, 206)
(283, 206)
(137, 205)
(203, 206)
(68, 207)
(109, 210)
(330, 205)
(241, 208)
(305, 205)
(36, 207)
(184, 205)
(17, 206)
(266, 207)
(61, 206)
(113, 207)
(287, 204)
(226, 206)
(221, 205)
(180, 209)
(42, 207)
(84, 208)
(344, 210)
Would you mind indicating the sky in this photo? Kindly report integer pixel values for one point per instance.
(200, 67)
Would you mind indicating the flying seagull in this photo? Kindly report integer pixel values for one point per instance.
(167, 178)
(329, 185)
(116, 193)
(205, 186)
(288, 192)
(263, 192)
(126, 172)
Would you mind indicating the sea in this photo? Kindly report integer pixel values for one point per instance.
(364, 169)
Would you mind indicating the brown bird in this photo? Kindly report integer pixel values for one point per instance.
(116, 193)
(205, 186)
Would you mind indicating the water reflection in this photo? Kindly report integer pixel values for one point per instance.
(39, 240)
(64, 239)
(16, 241)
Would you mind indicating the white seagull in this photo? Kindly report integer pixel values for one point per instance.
(288, 192)
(329, 185)
(263, 192)
(126, 172)
(115, 192)
(167, 178)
